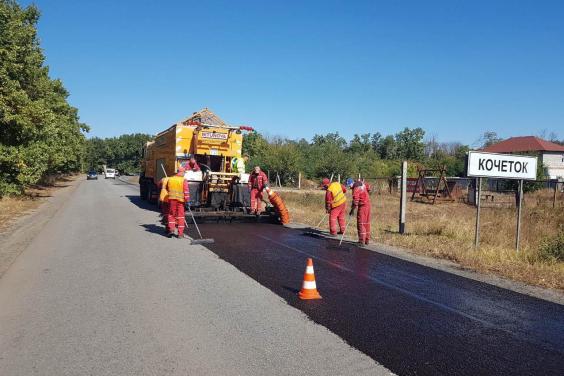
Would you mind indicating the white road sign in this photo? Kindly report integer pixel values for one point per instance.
(508, 166)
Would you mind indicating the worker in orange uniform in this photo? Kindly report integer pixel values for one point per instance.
(193, 165)
(257, 182)
(361, 200)
(178, 195)
(163, 199)
(335, 205)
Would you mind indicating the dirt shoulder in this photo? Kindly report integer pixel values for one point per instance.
(21, 218)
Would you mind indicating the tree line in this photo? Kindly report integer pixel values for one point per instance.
(40, 132)
(369, 154)
(123, 152)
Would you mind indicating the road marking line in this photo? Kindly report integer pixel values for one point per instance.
(386, 284)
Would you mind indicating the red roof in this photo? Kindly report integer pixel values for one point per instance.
(521, 144)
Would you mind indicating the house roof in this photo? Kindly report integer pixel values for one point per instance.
(522, 144)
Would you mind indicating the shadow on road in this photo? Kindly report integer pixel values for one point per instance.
(155, 229)
(142, 204)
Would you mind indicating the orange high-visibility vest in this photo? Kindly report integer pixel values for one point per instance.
(163, 197)
(337, 192)
(176, 188)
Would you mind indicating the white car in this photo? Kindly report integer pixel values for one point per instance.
(110, 173)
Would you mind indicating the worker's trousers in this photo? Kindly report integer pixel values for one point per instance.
(337, 214)
(256, 201)
(176, 216)
(165, 210)
(363, 223)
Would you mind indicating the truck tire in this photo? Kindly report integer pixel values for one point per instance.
(151, 191)
(143, 190)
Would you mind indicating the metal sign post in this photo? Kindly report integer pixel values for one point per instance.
(519, 203)
(501, 166)
(403, 197)
(478, 199)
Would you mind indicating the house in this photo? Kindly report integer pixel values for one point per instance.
(550, 155)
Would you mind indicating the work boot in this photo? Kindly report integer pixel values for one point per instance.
(340, 233)
(366, 242)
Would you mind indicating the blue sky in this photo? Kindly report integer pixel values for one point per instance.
(297, 68)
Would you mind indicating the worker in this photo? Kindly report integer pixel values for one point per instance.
(178, 194)
(257, 182)
(193, 165)
(335, 205)
(361, 202)
(163, 199)
(238, 164)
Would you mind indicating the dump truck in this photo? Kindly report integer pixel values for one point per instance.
(215, 192)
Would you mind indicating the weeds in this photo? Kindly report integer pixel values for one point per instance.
(446, 231)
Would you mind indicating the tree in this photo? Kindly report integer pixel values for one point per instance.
(410, 143)
(40, 132)
(123, 152)
(489, 138)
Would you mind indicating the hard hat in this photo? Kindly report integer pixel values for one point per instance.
(325, 182)
(349, 182)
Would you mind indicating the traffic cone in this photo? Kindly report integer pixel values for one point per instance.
(309, 288)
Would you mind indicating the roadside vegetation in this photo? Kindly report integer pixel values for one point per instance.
(446, 231)
(123, 152)
(40, 132)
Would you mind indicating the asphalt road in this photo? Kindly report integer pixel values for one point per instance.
(410, 318)
(100, 291)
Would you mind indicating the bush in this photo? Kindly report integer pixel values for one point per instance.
(552, 249)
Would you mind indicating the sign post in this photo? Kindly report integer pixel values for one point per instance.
(403, 197)
(501, 166)
(477, 198)
(519, 202)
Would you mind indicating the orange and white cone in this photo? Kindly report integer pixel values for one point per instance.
(309, 288)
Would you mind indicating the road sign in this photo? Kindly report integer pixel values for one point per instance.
(505, 166)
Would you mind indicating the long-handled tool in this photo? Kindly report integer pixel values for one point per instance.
(202, 240)
(346, 227)
(322, 219)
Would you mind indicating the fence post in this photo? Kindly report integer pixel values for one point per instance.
(403, 197)
(299, 180)
(554, 196)
(520, 203)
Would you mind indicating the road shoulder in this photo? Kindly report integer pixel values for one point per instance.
(17, 235)
(550, 295)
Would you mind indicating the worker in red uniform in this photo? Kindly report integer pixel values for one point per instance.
(178, 195)
(335, 205)
(163, 199)
(361, 200)
(193, 165)
(257, 182)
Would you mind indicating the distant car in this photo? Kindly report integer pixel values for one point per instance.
(110, 173)
(92, 175)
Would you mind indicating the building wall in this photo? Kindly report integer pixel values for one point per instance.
(554, 164)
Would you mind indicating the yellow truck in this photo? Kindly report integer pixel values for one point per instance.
(215, 191)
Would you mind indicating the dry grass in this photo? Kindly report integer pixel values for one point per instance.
(15, 206)
(446, 231)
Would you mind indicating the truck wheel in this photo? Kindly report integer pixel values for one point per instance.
(143, 190)
(150, 193)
